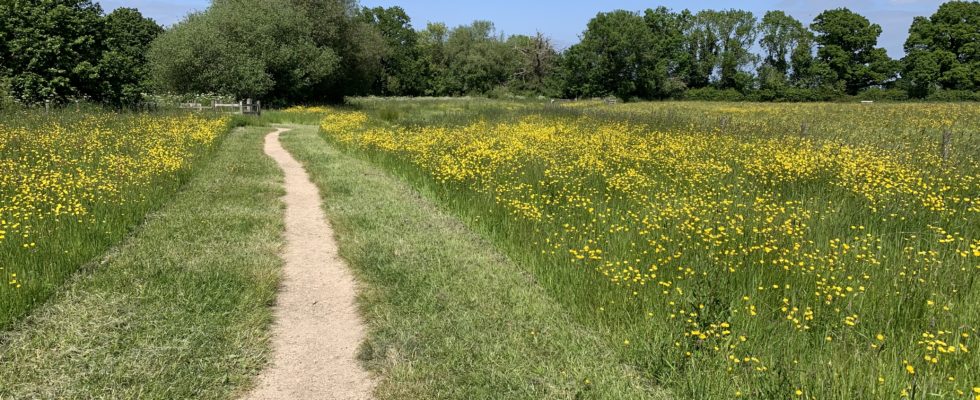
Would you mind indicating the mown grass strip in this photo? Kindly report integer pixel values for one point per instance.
(179, 310)
(449, 316)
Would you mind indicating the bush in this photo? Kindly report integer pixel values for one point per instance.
(499, 92)
(809, 94)
(6, 99)
(713, 94)
(877, 94)
(954, 95)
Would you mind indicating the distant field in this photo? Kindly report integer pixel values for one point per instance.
(765, 251)
(74, 183)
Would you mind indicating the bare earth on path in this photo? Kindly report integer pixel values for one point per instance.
(317, 327)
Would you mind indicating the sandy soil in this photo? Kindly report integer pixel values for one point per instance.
(317, 329)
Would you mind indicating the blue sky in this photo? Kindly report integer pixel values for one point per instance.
(565, 20)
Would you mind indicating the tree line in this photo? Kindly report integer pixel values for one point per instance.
(290, 51)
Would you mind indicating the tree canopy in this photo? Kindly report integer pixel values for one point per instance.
(848, 48)
(61, 49)
(288, 51)
(943, 51)
(259, 48)
(616, 57)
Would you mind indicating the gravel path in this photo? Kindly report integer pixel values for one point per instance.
(317, 329)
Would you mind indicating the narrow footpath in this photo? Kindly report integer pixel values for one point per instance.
(317, 328)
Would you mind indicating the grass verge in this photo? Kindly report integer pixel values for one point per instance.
(179, 310)
(449, 316)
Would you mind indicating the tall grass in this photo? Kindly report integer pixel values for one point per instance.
(725, 252)
(73, 183)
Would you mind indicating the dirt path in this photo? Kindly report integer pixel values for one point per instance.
(317, 329)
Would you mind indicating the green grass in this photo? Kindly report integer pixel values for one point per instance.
(449, 316)
(686, 320)
(460, 301)
(74, 183)
(180, 309)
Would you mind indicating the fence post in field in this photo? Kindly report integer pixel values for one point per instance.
(804, 129)
(47, 106)
(241, 107)
(947, 143)
(258, 107)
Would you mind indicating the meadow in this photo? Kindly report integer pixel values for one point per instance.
(73, 183)
(721, 250)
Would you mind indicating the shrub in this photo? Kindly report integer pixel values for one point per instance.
(713, 94)
(954, 95)
(877, 94)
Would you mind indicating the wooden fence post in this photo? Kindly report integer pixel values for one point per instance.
(804, 129)
(241, 107)
(947, 143)
(47, 106)
(258, 107)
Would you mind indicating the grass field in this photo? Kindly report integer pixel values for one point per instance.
(450, 316)
(723, 250)
(72, 184)
(179, 309)
(507, 249)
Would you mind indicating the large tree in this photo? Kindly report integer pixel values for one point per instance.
(123, 66)
(616, 57)
(63, 49)
(535, 62)
(468, 59)
(736, 32)
(401, 64)
(848, 48)
(51, 49)
(703, 49)
(943, 51)
(281, 50)
(336, 25)
(788, 51)
(480, 57)
(782, 35)
(672, 63)
(718, 47)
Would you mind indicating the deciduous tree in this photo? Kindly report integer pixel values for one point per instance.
(123, 70)
(943, 51)
(285, 50)
(534, 64)
(51, 49)
(848, 48)
(401, 69)
(616, 57)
